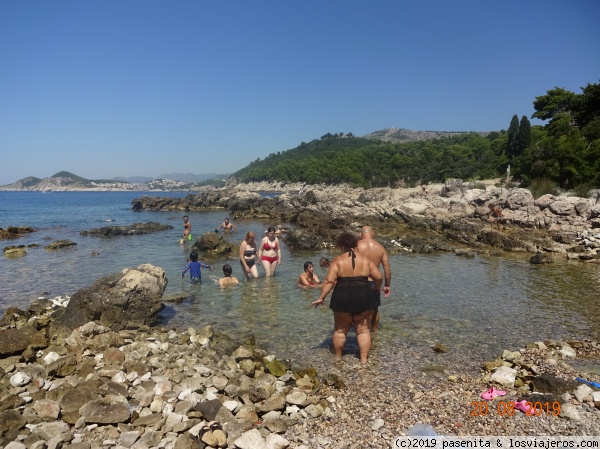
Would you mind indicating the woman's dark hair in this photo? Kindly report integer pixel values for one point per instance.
(227, 270)
(324, 262)
(346, 241)
(271, 229)
(193, 256)
(307, 264)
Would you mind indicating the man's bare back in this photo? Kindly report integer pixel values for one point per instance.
(375, 251)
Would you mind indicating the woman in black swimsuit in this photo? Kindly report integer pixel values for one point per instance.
(352, 301)
(248, 257)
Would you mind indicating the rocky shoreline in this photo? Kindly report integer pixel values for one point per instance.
(449, 217)
(94, 371)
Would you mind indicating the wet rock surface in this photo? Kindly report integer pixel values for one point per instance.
(133, 229)
(13, 232)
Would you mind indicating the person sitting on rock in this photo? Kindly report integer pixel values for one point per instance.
(227, 278)
(194, 266)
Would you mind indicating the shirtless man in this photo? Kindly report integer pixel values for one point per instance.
(495, 215)
(227, 226)
(187, 228)
(375, 251)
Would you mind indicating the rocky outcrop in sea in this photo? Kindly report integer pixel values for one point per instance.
(443, 217)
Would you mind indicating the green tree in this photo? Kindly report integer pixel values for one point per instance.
(555, 101)
(524, 135)
(512, 148)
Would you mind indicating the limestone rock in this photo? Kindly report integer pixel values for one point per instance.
(129, 299)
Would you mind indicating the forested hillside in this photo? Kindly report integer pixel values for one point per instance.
(374, 163)
(565, 152)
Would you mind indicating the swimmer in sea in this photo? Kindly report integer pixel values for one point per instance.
(308, 278)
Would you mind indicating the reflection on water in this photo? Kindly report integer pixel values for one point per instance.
(476, 307)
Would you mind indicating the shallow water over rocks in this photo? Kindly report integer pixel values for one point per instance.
(475, 306)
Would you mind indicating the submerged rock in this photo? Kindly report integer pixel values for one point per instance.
(133, 229)
(60, 244)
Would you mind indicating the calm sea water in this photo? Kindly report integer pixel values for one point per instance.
(476, 306)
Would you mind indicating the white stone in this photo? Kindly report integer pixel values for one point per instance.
(119, 378)
(568, 352)
(251, 439)
(50, 357)
(582, 392)
(275, 441)
(569, 411)
(19, 379)
(596, 396)
(377, 424)
(504, 376)
(231, 405)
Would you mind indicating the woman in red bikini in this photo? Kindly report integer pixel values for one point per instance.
(269, 252)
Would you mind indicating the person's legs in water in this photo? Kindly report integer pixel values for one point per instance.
(362, 324)
(269, 264)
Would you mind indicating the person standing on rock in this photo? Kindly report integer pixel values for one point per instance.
(375, 251)
(495, 215)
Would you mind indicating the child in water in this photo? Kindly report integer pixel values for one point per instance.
(227, 278)
(194, 266)
(308, 278)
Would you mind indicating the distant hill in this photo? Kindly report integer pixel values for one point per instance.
(407, 135)
(64, 180)
(181, 177)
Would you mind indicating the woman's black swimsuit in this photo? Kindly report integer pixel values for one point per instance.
(250, 261)
(352, 295)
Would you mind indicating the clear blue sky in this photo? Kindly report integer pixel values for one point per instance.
(121, 88)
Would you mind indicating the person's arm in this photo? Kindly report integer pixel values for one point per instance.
(242, 259)
(316, 280)
(387, 275)
(187, 267)
(234, 227)
(260, 248)
(203, 265)
(278, 251)
(376, 275)
(328, 284)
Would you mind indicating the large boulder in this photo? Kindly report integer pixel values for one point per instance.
(452, 187)
(303, 239)
(15, 340)
(519, 198)
(125, 300)
(215, 244)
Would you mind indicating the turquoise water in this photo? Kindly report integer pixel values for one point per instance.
(476, 306)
